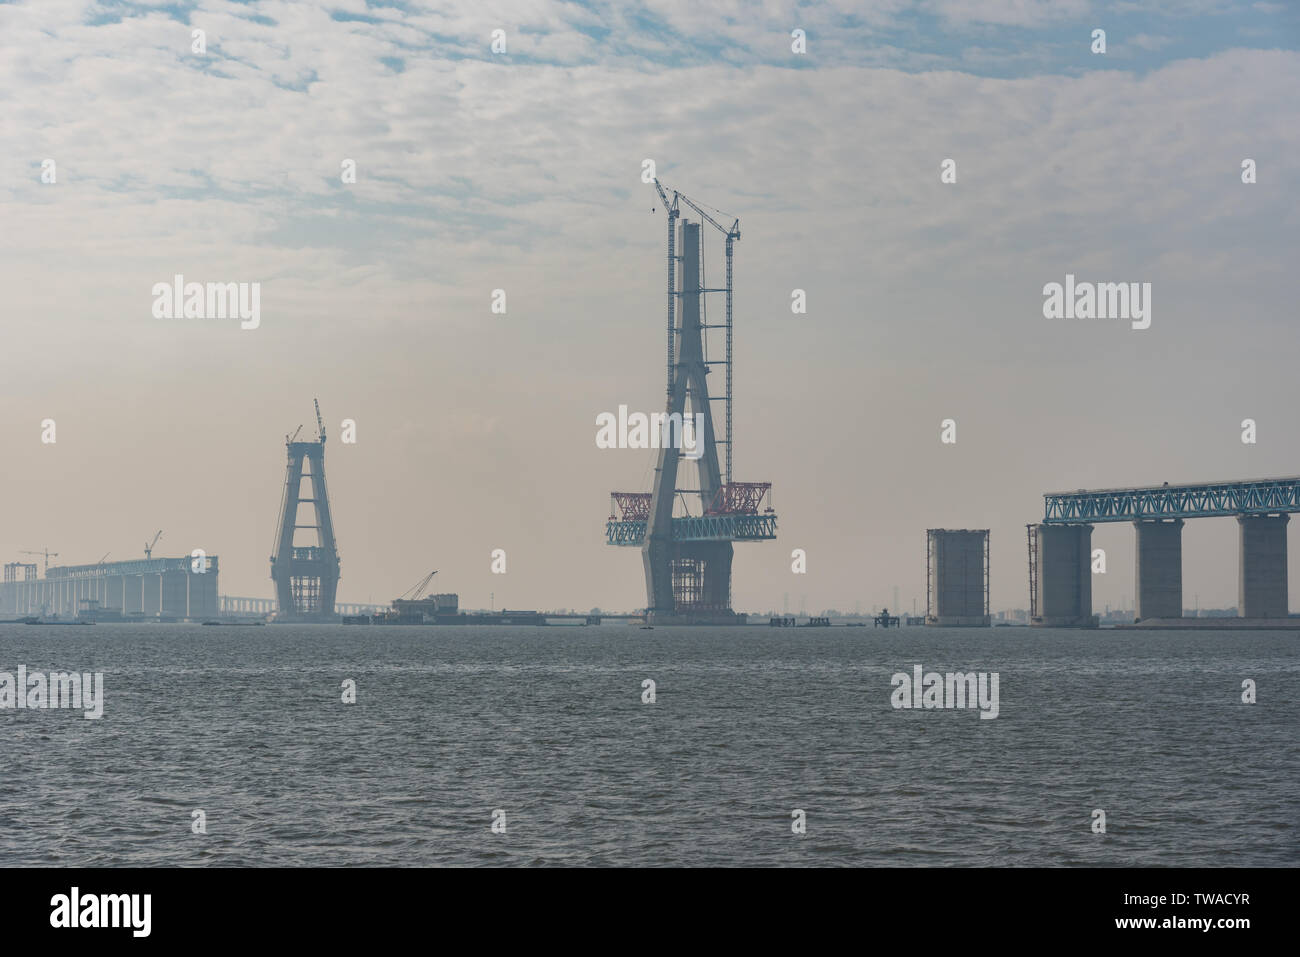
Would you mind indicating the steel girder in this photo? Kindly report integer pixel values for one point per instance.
(1209, 500)
(707, 528)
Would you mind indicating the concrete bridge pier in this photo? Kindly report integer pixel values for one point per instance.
(1062, 565)
(1158, 581)
(957, 578)
(1261, 591)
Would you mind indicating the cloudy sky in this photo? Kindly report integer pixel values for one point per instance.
(522, 171)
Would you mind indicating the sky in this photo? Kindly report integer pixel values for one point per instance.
(522, 171)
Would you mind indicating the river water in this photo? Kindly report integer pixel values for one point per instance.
(749, 725)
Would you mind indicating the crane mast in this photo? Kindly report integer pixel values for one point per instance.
(46, 552)
(732, 234)
(673, 211)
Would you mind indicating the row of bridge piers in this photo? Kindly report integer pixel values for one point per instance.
(1061, 570)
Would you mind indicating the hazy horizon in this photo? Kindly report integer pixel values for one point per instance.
(521, 171)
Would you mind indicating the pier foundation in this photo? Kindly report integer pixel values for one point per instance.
(1262, 591)
(957, 578)
(1061, 576)
(1158, 576)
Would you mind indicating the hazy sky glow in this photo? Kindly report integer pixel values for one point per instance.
(521, 171)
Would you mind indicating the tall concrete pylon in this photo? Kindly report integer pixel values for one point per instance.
(306, 576)
(687, 578)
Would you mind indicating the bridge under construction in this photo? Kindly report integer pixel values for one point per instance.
(687, 556)
(1060, 547)
(148, 589)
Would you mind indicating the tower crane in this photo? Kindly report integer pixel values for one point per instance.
(320, 423)
(148, 549)
(46, 552)
(732, 235)
(673, 212)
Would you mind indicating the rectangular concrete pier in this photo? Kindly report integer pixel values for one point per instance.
(1158, 582)
(1262, 591)
(957, 577)
(1061, 572)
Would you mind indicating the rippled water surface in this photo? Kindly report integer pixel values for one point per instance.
(548, 725)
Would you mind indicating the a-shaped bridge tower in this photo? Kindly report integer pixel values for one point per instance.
(687, 556)
(306, 576)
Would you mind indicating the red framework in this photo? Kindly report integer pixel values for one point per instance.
(629, 506)
(740, 498)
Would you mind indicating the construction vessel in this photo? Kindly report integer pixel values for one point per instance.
(687, 551)
(414, 607)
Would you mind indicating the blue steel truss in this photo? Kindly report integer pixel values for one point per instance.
(1215, 499)
(706, 528)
